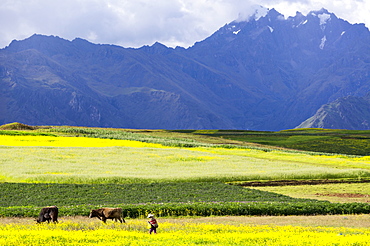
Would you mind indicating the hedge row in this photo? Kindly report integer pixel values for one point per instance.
(205, 209)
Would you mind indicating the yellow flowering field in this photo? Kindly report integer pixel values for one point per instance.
(136, 233)
(81, 159)
(49, 141)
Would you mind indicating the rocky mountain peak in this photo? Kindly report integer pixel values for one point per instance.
(267, 72)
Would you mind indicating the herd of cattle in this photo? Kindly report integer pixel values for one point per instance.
(51, 214)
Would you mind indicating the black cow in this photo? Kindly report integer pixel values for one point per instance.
(47, 214)
(107, 213)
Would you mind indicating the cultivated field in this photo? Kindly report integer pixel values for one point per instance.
(183, 177)
(191, 231)
(82, 159)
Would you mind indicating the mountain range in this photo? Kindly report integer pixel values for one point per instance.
(266, 73)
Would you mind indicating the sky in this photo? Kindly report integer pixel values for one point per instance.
(134, 23)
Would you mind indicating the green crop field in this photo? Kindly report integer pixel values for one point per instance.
(319, 140)
(32, 194)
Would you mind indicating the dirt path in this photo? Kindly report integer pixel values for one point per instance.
(352, 221)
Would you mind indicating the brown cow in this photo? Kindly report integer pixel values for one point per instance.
(107, 213)
(47, 214)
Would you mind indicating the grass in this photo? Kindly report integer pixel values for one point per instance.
(16, 126)
(120, 134)
(25, 133)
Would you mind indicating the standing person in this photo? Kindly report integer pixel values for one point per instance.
(153, 224)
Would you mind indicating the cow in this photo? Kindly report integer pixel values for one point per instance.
(47, 214)
(107, 213)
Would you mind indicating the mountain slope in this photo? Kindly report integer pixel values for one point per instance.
(298, 64)
(79, 83)
(350, 112)
(267, 73)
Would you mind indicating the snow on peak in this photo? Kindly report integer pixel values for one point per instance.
(236, 32)
(301, 23)
(324, 17)
(271, 29)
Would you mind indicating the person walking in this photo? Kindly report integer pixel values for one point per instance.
(153, 224)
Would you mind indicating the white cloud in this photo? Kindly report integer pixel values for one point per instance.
(143, 22)
(354, 11)
(257, 11)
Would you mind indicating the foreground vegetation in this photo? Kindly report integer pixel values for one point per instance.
(71, 232)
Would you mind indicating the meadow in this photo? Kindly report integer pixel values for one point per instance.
(175, 174)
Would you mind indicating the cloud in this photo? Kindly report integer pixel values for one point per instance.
(143, 22)
(354, 11)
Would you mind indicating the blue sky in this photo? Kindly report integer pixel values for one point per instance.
(134, 23)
